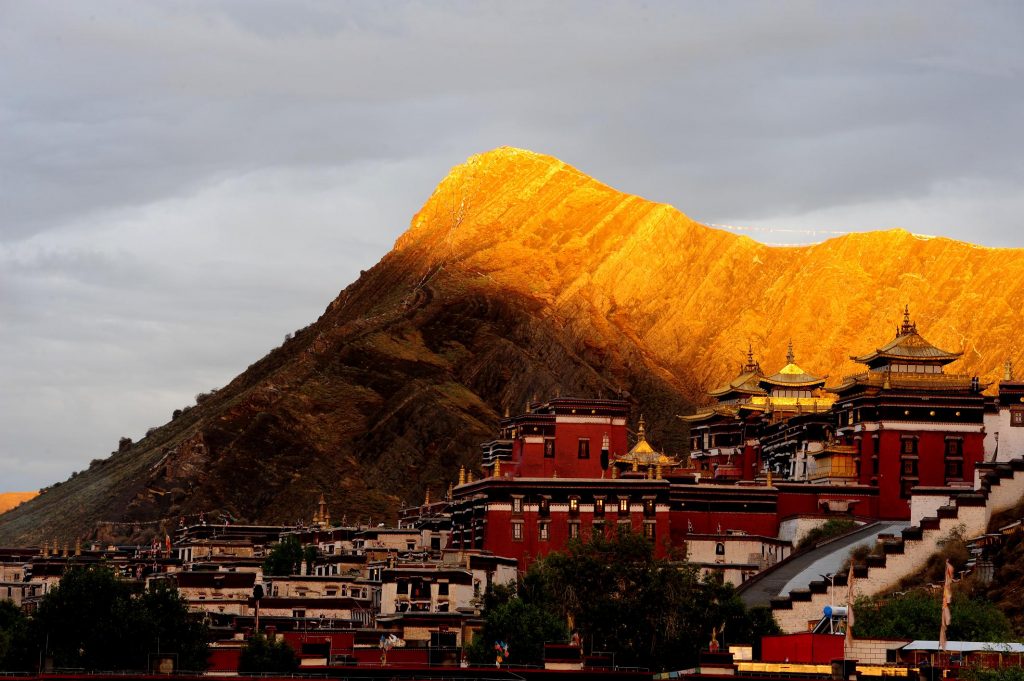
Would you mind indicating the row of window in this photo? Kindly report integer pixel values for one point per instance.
(544, 529)
(544, 506)
(582, 448)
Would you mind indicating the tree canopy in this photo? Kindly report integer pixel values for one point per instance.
(95, 621)
(287, 556)
(916, 615)
(262, 655)
(647, 612)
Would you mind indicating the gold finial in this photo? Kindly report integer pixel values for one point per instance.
(426, 498)
(78, 546)
(450, 490)
(635, 466)
(886, 384)
(657, 472)
(462, 475)
(615, 472)
(554, 474)
(65, 554)
(768, 481)
(45, 549)
(908, 326)
(506, 412)
(1008, 371)
(469, 476)
(497, 468)
(640, 431)
(790, 357)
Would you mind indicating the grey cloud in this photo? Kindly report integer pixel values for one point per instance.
(183, 183)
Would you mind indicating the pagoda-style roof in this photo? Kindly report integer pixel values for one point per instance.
(747, 383)
(643, 454)
(792, 376)
(710, 414)
(908, 346)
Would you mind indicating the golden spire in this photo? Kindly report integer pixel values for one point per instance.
(615, 472)
(78, 546)
(45, 549)
(450, 489)
(506, 412)
(908, 326)
(426, 498)
(497, 468)
(768, 481)
(1008, 370)
(462, 475)
(790, 357)
(657, 472)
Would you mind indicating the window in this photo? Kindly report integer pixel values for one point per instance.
(905, 487)
(542, 531)
(720, 549)
(574, 530)
(648, 508)
(599, 507)
(517, 532)
(954, 447)
(623, 504)
(584, 448)
(954, 469)
(1017, 418)
(517, 505)
(598, 527)
(874, 464)
(442, 588)
(910, 467)
(549, 448)
(649, 531)
(574, 505)
(875, 444)
(909, 445)
(544, 507)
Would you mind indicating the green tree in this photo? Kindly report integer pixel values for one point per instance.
(648, 612)
(285, 558)
(262, 655)
(916, 615)
(14, 638)
(96, 621)
(523, 625)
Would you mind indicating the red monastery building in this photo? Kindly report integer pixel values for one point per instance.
(773, 452)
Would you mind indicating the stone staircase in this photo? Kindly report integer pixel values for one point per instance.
(999, 486)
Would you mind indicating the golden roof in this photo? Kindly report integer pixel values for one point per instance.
(707, 414)
(643, 453)
(792, 376)
(908, 345)
(747, 381)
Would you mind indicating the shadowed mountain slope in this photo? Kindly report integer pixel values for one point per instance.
(522, 277)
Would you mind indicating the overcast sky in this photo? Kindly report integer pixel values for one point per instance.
(183, 183)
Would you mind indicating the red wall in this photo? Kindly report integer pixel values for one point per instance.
(802, 648)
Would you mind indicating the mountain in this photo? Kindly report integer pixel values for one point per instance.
(522, 277)
(9, 500)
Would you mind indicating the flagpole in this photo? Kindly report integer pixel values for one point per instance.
(848, 640)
